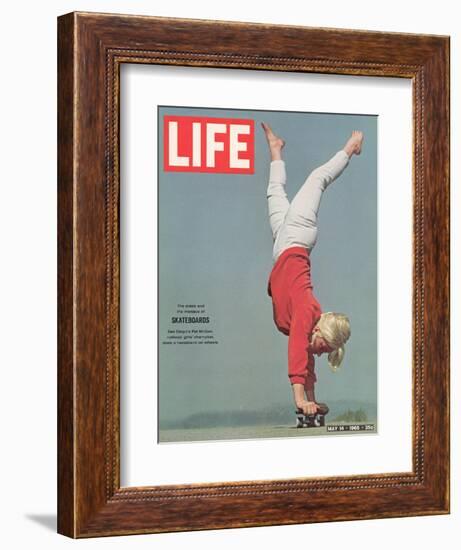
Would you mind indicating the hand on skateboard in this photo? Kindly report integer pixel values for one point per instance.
(315, 419)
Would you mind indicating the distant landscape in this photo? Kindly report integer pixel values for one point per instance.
(278, 416)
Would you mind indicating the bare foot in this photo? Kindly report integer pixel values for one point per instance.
(276, 144)
(354, 143)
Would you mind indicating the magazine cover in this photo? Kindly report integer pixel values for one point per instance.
(267, 274)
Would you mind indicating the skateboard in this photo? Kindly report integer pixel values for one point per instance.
(316, 420)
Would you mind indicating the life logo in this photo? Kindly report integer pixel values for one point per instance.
(204, 144)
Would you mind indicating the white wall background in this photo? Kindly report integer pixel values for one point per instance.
(28, 274)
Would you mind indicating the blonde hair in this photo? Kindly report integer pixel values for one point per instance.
(336, 330)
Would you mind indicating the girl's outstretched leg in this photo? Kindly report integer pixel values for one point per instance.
(278, 203)
(300, 228)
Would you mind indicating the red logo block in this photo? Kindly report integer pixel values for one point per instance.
(203, 144)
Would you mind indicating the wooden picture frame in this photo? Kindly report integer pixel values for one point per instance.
(92, 48)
